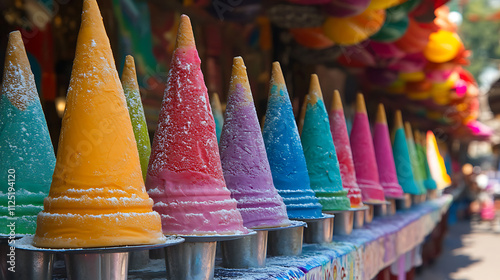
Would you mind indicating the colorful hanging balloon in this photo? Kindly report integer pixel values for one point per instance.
(412, 76)
(442, 46)
(416, 37)
(399, 11)
(383, 4)
(353, 30)
(385, 50)
(392, 30)
(410, 63)
(357, 56)
(313, 37)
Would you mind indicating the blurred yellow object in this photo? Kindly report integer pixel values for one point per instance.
(352, 30)
(397, 87)
(448, 84)
(418, 95)
(441, 98)
(412, 76)
(442, 46)
(467, 169)
(434, 115)
(436, 162)
(383, 4)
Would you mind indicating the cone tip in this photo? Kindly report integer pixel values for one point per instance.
(314, 90)
(185, 37)
(360, 104)
(15, 35)
(418, 136)
(90, 9)
(18, 86)
(239, 77)
(15, 41)
(129, 65)
(239, 68)
(381, 117)
(398, 120)
(215, 102)
(277, 74)
(239, 63)
(337, 102)
(129, 59)
(408, 131)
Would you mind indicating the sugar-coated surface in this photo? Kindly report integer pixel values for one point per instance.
(365, 163)
(286, 157)
(244, 160)
(321, 159)
(402, 162)
(25, 146)
(136, 112)
(185, 175)
(385, 161)
(97, 197)
(417, 171)
(343, 148)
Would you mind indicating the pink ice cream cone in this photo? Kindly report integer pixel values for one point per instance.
(343, 148)
(184, 176)
(385, 160)
(363, 155)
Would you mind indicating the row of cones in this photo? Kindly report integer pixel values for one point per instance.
(105, 165)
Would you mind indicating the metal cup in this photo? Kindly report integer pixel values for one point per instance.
(28, 265)
(286, 241)
(369, 214)
(415, 199)
(319, 230)
(249, 251)
(191, 260)
(359, 217)
(107, 266)
(343, 222)
(138, 259)
(391, 208)
(156, 254)
(405, 203)
(380, 210)
(431, 194)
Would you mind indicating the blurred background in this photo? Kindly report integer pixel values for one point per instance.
(436, 60)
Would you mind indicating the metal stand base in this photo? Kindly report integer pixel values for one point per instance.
(191, 260)
(379, 209)
(359, 217)
(319, 230)
(405, 203)
(245, 252)
(107, 263)
(343, 222)
(26, 265)
(195, 259)
(286, 241)
(138, 259)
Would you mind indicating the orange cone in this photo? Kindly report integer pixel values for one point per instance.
(97, 197)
